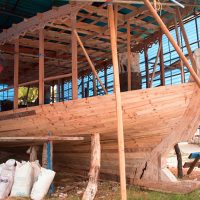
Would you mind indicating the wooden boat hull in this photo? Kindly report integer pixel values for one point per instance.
(154, 120)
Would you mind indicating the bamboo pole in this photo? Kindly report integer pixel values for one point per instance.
(179, 44)
(120, 130)
(173, 42)
(16, 73)
(129, 54)
(89, 61)
(41, 66)
(74, 59)
(186, 40)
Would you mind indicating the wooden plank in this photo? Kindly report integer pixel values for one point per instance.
(47, 138)
(41, 66)
(74, 59)
(188, 164)
(16, 73)
(193, 164)
(120, 131)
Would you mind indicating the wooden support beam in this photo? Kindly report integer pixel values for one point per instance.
(44, 138)
(155, 65)
(173, 42)
(95, 164)
(94, 85)
(186, 40)
(120, 130)
(16, 73)
(74, 59)
(41, 66)
(146, 66)
(192, 166)
(162, 65)
(179, 44)
(89, 61)
(129, 54)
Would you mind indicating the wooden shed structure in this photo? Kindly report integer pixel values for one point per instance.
(137, 128)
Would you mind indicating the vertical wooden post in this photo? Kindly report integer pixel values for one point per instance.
(146, 66)
(120, 130)
(179, 44)
(82, 86)
(63, 90)
(186, 40)
(41, 66)
(94, 85)
(74, 59)
(95, 164)
(16, 73)
(129, 54)
(162, 66)
(171, 39)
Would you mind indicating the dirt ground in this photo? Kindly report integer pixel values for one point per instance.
(72, 187)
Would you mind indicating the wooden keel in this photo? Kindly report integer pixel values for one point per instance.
(91, 189)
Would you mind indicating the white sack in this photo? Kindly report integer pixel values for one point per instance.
(7, 178)
(1, 167)
(36, 170)
(41, 186)
(23, 180)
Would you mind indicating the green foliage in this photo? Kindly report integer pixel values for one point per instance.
(27, 95)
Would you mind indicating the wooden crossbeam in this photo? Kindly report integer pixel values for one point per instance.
(45, 138)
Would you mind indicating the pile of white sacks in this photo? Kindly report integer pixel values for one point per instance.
(25, 179)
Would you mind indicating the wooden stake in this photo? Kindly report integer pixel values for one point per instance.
(186, 39)
(179, 44)
(16, 73)
(91, 189)
(129, 55)
(89, 61)
(74, 59)
(146, 66)
(41, 66)
(120, 130)
(173, 42)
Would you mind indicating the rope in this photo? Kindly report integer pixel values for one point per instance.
(157, 5)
